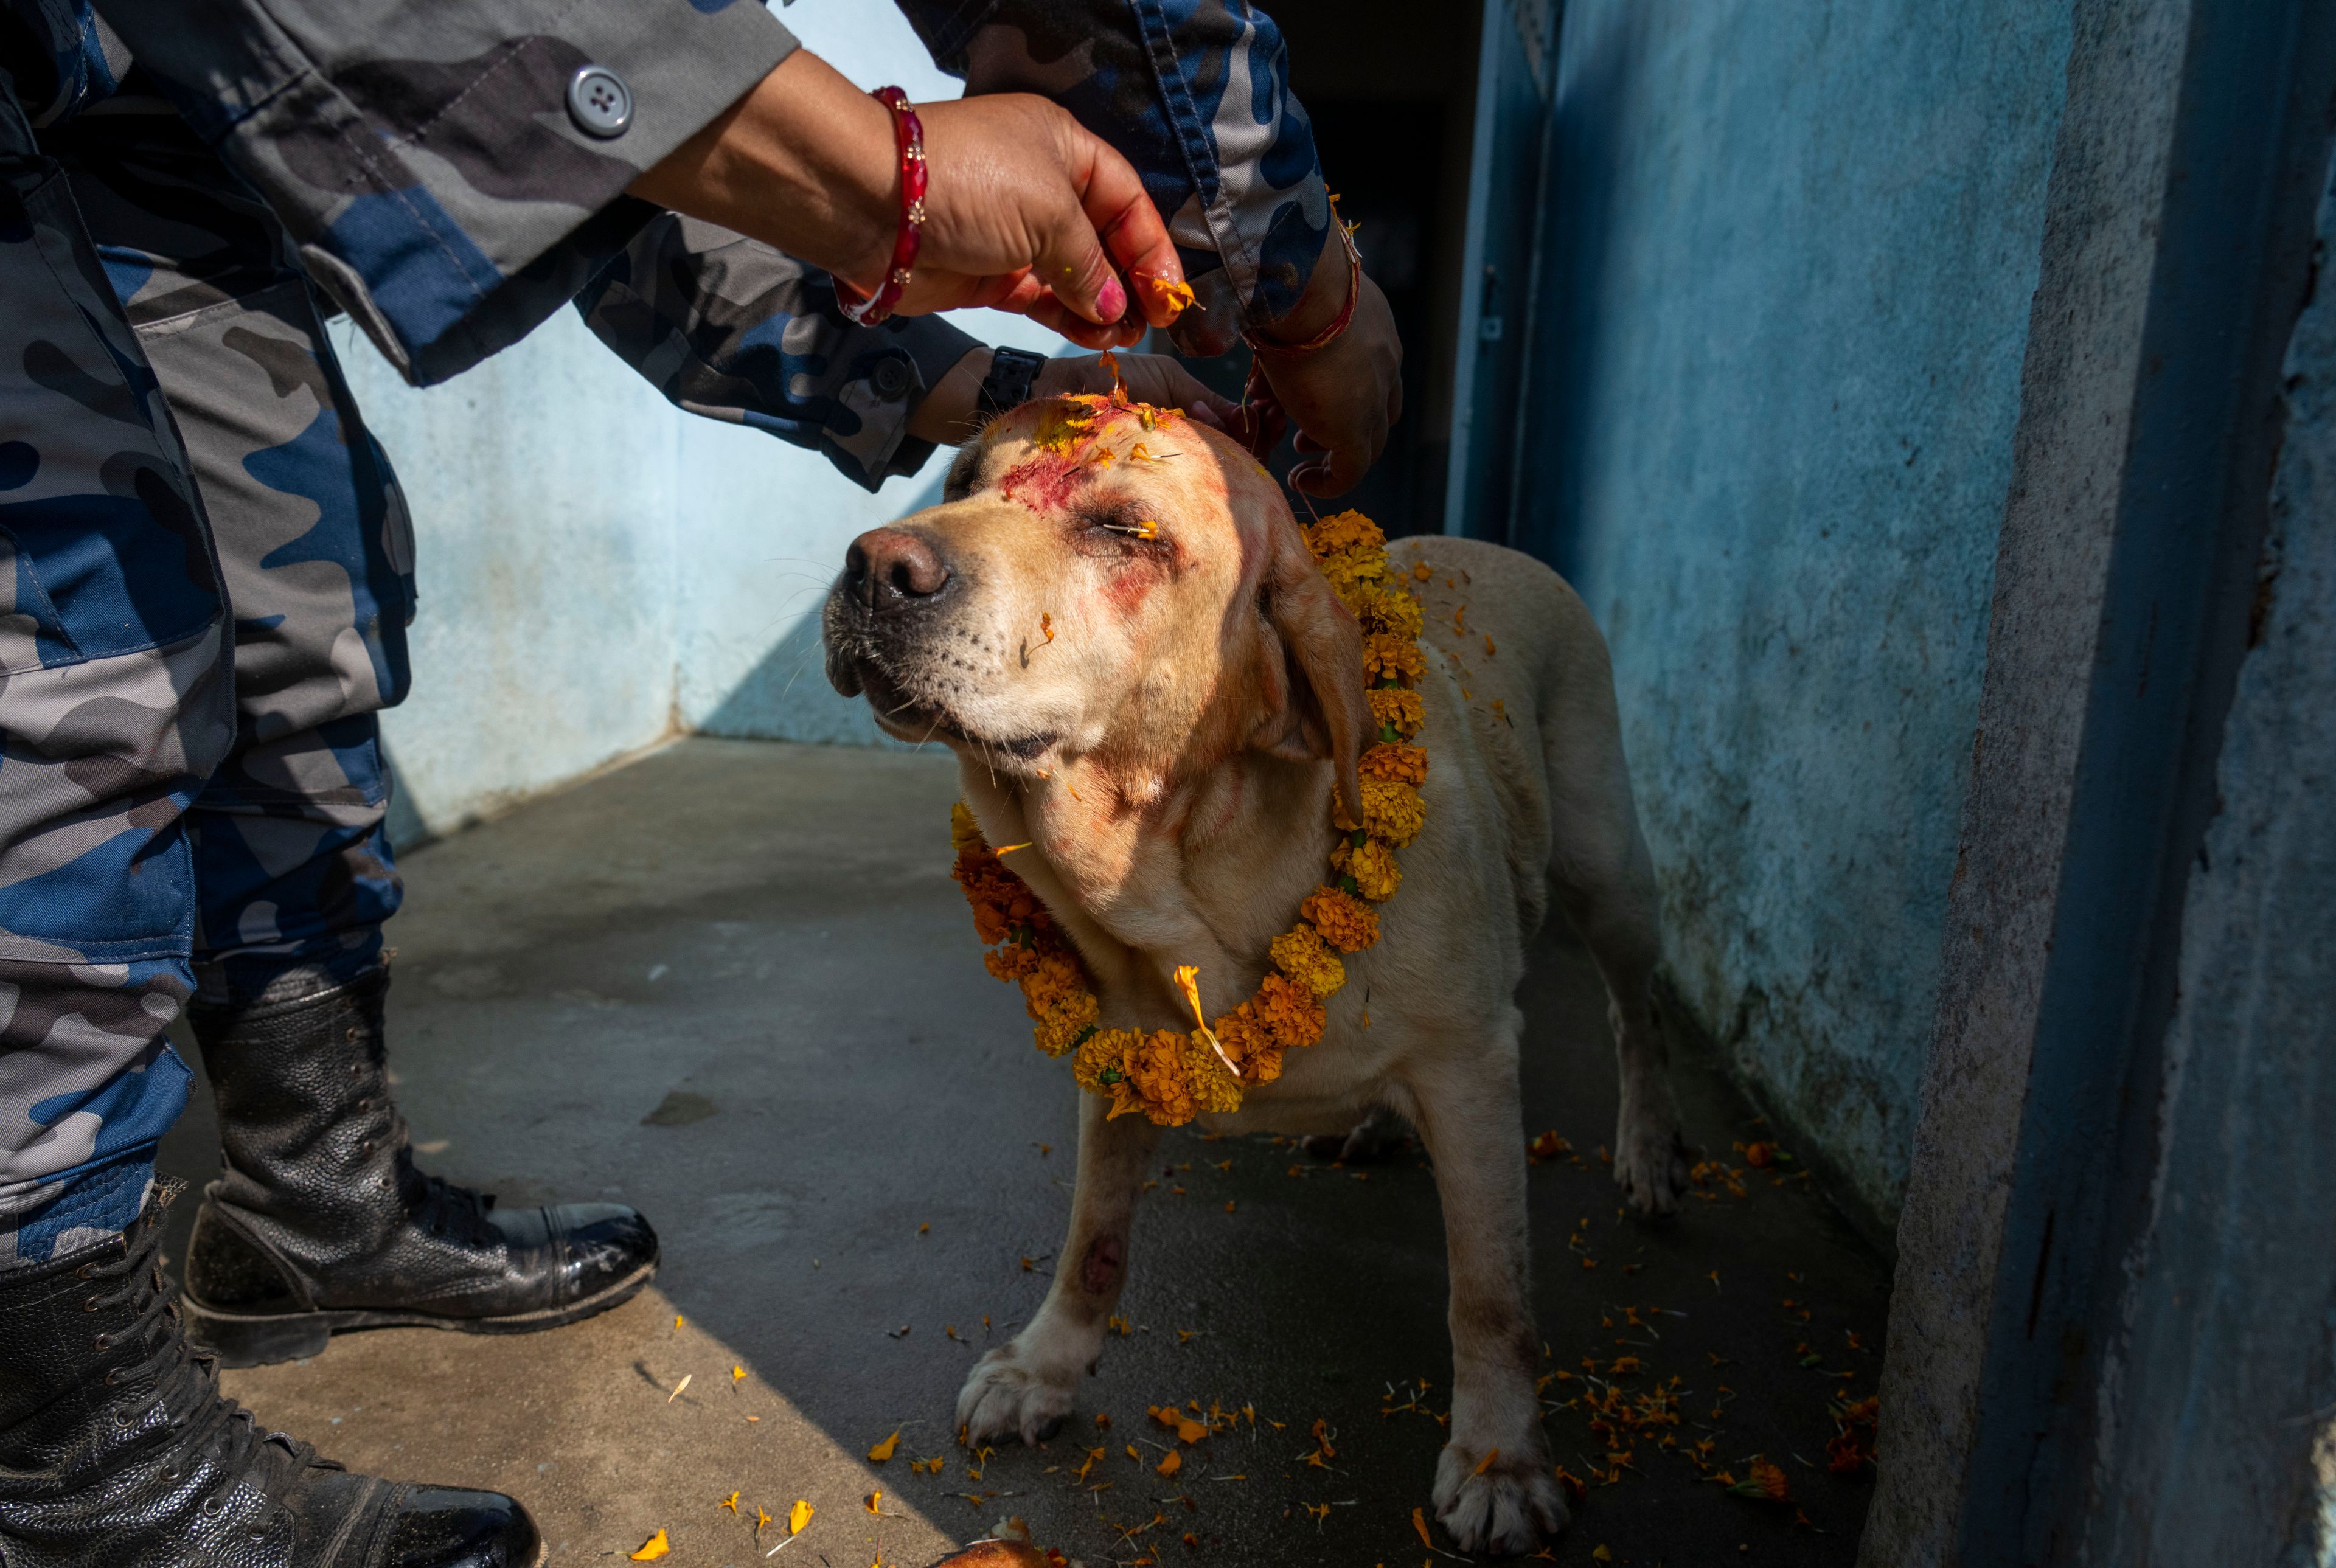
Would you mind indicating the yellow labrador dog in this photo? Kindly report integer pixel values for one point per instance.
(1145, 677)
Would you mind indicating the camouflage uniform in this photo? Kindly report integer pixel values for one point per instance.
(1196, 93)
(207, 563)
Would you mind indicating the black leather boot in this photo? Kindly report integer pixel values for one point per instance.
(116, 1450)
(320, 1221)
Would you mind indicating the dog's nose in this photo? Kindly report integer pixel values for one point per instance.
(892, 568)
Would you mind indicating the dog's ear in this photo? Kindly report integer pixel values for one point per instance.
(1324, 714)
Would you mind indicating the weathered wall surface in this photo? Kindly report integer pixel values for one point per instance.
(598, 571)
(2227, 1364)
(1783, 301)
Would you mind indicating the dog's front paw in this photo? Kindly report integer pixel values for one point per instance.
(1002, 1394)
(1505, 1507)
(1650, 1160)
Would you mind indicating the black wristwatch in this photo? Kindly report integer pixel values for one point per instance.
(1007, 384)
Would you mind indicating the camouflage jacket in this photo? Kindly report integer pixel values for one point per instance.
(436, 180)
(1196, 94)
(731, 329)
(430, 175)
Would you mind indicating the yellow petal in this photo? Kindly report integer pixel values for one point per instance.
(1171, 1464)
(731, 1502)
(875, 1501)
(797, 1518)
(737, 1374)
(655, 1548)
(1420, 1522)
(1176, 297)
(883, 1451)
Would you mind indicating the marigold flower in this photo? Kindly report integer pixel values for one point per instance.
(1059, 1033)
(1162, 1079)
(1214, 1089)
(1252, 1047)
(1289, 1011)
(1056, 982)
(1392, 812)
(990, 922)
(1010, 962)
(1386, 654)
(1400, 709)
(1001, 900)
(1347, 531)
(1372, 865)
(1386, 609)
(965, 834)
(1301, 955)
(1104, 1052)
(1344, 921)
(1347, 570)
(1397, 763)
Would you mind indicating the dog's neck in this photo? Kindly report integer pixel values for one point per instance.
(1151, 869)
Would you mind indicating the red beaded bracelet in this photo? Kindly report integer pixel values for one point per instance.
(909, 134)
(1345, 316)
(1263, 422)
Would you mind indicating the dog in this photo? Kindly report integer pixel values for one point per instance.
(1114, 621)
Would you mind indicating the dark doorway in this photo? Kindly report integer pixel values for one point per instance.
(1391, 90)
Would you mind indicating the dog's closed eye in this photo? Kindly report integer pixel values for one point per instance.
(1123, 525)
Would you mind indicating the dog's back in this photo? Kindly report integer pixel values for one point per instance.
(1538, 692)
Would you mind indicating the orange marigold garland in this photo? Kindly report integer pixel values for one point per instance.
(1172, 1075)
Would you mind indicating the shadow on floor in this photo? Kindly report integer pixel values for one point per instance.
(763, 939)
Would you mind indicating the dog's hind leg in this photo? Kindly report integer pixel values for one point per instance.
(1494, 1488)
(1026, 1384)
(1605, 883)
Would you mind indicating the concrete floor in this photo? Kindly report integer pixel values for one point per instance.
(733, 984)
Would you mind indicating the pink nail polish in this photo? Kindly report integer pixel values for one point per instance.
(1113, 300)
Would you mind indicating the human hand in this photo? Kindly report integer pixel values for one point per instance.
(1024, 196)
(1025, 210)
(1158, 379)
(1344, 395)
(950, 413)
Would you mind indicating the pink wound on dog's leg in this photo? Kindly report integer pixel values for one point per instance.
(1099, 1270)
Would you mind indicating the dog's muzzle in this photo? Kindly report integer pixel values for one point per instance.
(893, 580)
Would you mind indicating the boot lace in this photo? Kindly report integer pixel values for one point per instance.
(445, 1209)
(206, 1422)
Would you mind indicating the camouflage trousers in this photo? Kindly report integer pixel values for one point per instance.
(205, 578)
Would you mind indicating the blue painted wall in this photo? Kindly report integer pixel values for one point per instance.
(1785, 290)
